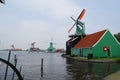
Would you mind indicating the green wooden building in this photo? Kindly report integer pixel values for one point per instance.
(99, 44)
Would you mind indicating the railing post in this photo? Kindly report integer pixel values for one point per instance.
(7, 65)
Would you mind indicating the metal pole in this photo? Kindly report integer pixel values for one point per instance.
(15, 62)
(7, 65)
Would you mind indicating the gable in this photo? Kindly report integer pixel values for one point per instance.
(108, 38)
(89, 40)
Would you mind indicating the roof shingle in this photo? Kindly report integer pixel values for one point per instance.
(89, 40)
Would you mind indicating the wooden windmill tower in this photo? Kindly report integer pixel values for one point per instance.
(79, 33)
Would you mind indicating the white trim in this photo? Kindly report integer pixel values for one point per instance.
(100, 38)
(103, 36)
(116, 40)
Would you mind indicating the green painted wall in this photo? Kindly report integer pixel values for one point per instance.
(107, 40)
(97, 50)
(75, 52)
(87, 51)
(84, 51)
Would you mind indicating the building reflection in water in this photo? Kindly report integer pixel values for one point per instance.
(88, 70)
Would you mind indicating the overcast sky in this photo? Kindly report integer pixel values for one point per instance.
(25, 21)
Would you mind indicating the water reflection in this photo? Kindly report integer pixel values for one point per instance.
(90, 71)
(56, 67)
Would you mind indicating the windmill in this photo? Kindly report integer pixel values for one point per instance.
(33, 48)
(33, 44)
(15, 49)
(51, 48)
(80, 26)
(79, 34)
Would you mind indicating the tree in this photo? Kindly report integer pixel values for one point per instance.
(2, 1)
(117, 36)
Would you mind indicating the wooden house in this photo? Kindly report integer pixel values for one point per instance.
(99, 44)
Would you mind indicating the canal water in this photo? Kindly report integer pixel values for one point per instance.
(55, 67)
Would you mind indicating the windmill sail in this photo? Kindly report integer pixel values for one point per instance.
(2, 1)
(71, 28)
(81, 14)
(80, 17)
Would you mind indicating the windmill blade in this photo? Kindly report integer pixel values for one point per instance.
(73, 19)
(2, 1)
(73, 24)
(55, 43)
(33, 42)
(80, 17)
(13, 46)
(81, 14)
(71, 28)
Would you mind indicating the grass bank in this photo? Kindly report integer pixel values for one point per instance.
(109, 59)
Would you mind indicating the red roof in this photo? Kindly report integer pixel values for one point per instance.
(89, 40)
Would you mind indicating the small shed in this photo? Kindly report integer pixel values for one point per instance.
(99, 44)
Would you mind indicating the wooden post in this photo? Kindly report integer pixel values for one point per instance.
(7, 65)
(23, 77)
(15, 62)
(42, 67)
(20, 69)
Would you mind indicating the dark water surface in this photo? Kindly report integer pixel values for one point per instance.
(55, 67)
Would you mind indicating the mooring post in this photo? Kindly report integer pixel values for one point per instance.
(23, 77)
(42, 67)
(7, 65)
(15, 63)
(20, 69)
